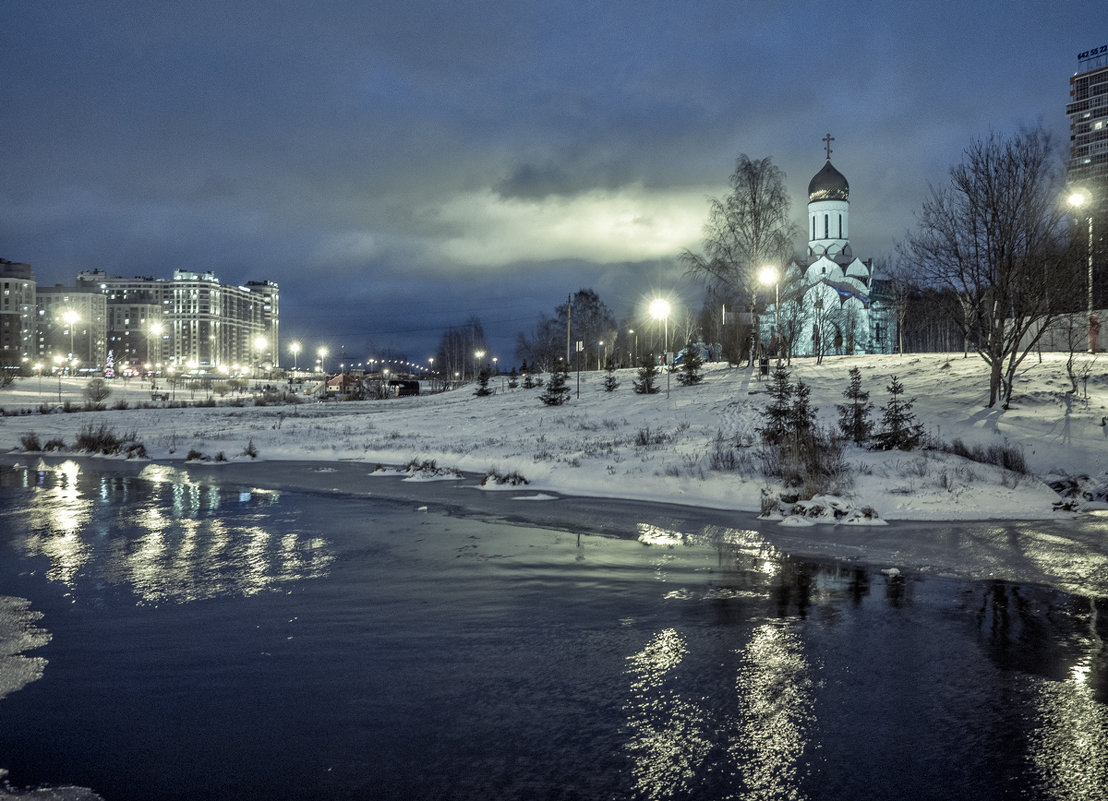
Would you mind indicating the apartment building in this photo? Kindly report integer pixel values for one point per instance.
(17, 313)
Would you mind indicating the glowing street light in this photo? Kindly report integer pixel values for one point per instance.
(322, 353)
(477, 355)
(59, 360)
(769, 275)
(659, 310)
(1079, 200)
(294, 349)
(155, 330)
(70, 317)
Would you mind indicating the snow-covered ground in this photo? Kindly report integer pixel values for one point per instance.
(661, 447)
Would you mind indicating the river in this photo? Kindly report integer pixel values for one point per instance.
(165, 635)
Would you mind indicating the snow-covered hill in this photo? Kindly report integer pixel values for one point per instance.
(693, 445)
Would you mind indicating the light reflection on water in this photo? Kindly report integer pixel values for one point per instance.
(776, 717)
(694, 663)
(193, 542)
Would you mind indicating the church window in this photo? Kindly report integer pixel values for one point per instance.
(840, 226)
(825, 224)
(813, 227)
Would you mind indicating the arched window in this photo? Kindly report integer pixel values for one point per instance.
(826, 229)
(840, 226)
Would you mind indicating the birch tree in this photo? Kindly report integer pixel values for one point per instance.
(994, 235)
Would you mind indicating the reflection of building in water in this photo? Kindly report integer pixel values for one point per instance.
(60, 512)
(168, 540)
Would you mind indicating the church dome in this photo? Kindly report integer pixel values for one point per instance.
(828, 184)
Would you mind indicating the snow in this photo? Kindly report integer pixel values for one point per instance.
(654, 447)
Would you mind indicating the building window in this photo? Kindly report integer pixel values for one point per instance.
(826, 228)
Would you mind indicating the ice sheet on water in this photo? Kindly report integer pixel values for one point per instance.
(18, 633)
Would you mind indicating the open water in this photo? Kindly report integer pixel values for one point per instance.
(162, 638)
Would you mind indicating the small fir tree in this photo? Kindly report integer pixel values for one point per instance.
(556, 392)
(528, 380)
(854, 421)
(610, 382)
(899, 428)
(801, 418)
(691, 365)
(483, 384)
(648, 373)
(776, 413)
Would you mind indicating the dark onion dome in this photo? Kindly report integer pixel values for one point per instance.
(828, 184)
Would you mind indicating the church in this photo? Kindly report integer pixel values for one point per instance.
(831, 305)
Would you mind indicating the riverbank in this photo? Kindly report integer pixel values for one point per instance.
(694, 446)
(1070, 554)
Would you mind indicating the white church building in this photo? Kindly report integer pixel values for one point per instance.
(829, 306)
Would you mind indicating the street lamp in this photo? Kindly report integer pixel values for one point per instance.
(659, 310)
(600, 364)
(477, 355)
(58, 361)
(1079, 200)
(260, 344)
(70, 317)
(294, 349)
(155, 330)
(322, 353)
(769, 275)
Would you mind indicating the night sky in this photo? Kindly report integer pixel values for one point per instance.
(398, 167)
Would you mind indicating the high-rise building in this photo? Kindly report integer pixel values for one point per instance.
(1087, 166)
(72, 325)
(17, 313)
(190, 322)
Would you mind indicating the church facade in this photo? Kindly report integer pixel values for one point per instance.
(830, 304)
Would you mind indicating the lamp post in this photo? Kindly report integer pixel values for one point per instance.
(155, 330)
(659, 310)
(58, 361)
(260, 344)
(600, 362)
(38, 369)
(70, 317)
(322, 353)
(1079, 200)
(769, 275)
(480, 354)
(294, 349)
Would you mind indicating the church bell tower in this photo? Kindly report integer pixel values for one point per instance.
(829, 213)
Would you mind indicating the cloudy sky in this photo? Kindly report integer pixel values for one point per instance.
(400, 166)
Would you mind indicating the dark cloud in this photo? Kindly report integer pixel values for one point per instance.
(396, 166)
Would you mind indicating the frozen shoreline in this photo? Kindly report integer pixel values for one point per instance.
(1069, 554)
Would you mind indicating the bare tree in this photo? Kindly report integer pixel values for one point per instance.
(747, 229)
(456, 354)
(995, 237)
